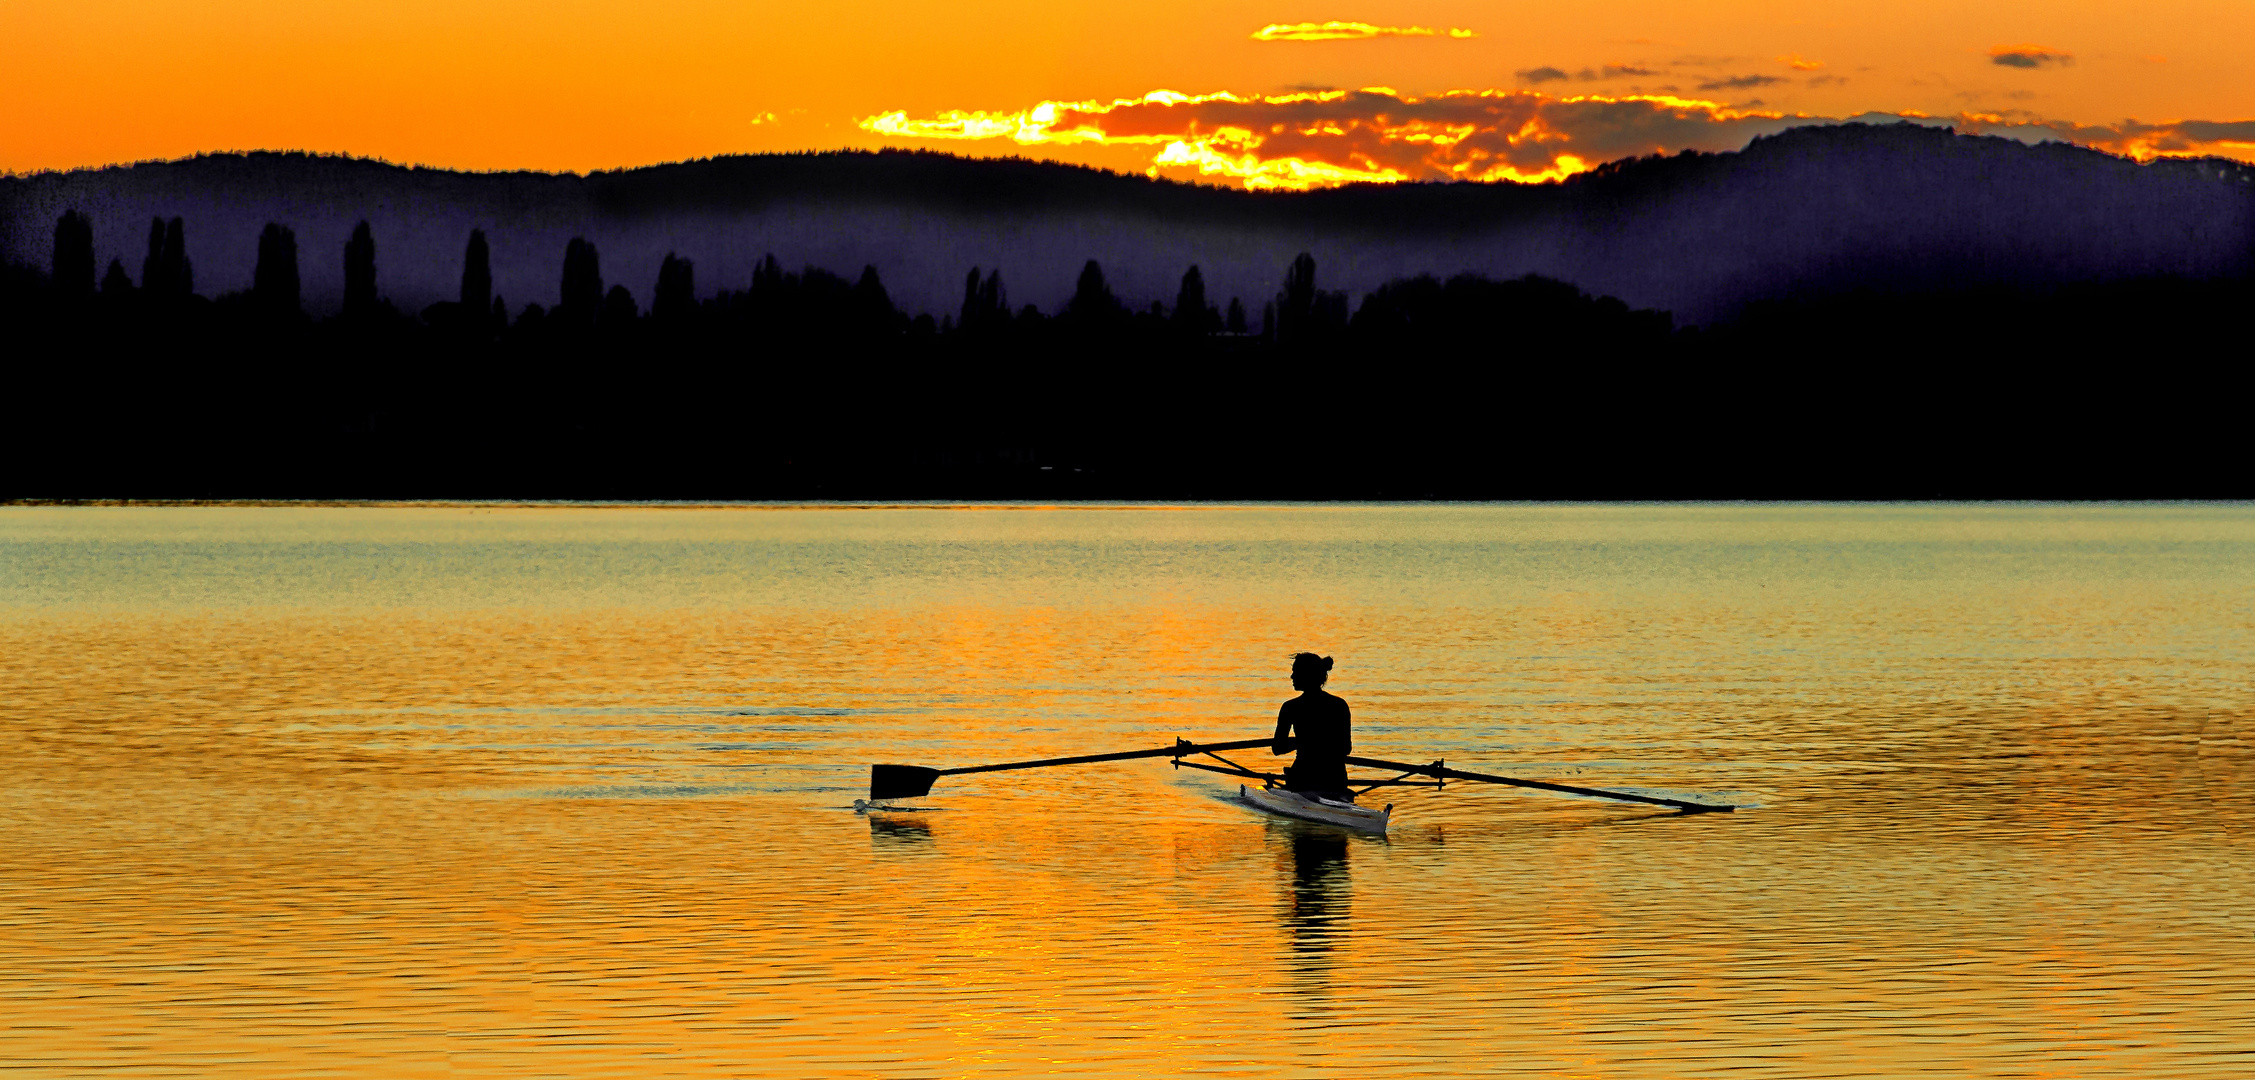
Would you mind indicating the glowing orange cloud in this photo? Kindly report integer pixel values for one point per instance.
(1378, 135)
(1800, 63)
(1336, 30)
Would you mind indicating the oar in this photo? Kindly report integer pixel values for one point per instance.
(913, 781)
(1437, 772)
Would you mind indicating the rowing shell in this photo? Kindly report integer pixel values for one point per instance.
(888, 782)
(1293, 804)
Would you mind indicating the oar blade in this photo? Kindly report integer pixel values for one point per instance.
(900, 781)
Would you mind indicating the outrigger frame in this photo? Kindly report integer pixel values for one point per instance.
(1234, 769)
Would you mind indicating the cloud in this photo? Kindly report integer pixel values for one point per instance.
(1800, 63)
(2028, 56)
(1336, 30)
(1538, 76)
(1740, 82)
(1324, 138)
(2130, 138)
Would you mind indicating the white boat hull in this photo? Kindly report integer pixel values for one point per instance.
(1293, 804)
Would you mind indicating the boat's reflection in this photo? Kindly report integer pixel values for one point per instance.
(1320, 899)
(1317, 908)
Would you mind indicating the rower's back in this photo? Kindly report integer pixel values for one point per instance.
(1320, 725)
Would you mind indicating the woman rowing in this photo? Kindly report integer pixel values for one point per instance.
(1319, 726)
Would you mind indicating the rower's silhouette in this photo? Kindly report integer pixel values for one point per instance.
(1320, 727)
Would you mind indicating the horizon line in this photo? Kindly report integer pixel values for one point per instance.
(376, 159)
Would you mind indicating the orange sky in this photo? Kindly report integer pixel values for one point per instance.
(571, 84)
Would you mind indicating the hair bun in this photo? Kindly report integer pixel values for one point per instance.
(1326, 663)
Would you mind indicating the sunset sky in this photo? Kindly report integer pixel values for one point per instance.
(1229, 92)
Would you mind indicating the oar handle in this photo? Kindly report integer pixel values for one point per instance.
(1490, 778)
(1179, 749)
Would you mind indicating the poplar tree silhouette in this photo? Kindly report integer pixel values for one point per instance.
(117, 286)
(768, 304)
(477, 276)
(73, 270)
(166, 275)
(1092, 302)
(1235, 323)
(155, 280)
(767, 279)
(768, 274)
(274, 282)
(870, 307)
(1306, 315)
(360, 273)
(986, 304)
(179, 272)
(619, 311)
(1295, 306)
(1192, 314)
(583, 283)
(994, 298)
(676, 297)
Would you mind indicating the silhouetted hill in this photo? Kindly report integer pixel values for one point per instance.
(1913, 314)
(1805, 213)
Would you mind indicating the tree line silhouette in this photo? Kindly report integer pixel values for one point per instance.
(805, 383)
(811, 299)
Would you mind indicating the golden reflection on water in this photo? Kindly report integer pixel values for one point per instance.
(565, 791)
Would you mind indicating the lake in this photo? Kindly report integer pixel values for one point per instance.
(568, 791)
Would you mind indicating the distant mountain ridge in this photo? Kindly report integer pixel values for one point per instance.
(1808, 212)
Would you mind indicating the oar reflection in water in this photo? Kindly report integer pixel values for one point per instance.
(899, 831)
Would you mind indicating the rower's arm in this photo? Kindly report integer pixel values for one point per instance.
(1284, 739)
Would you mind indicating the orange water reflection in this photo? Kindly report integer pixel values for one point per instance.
(434, 792)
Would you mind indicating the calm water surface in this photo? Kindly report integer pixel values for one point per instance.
(567, 792)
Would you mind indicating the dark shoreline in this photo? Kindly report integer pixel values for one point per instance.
(1980, 351)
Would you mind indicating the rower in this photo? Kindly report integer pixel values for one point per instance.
(1323, 728)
